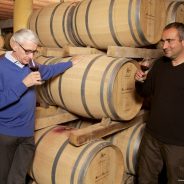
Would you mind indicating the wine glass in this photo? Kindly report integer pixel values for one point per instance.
(34, 67)
(146, 64)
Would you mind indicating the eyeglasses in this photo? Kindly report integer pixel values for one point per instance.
(27, 52)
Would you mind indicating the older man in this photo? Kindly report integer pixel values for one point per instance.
(17, 105)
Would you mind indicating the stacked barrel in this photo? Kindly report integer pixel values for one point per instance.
(1, 42)
(98, 86)
(100, 23)
(57, 161)
(5, 43)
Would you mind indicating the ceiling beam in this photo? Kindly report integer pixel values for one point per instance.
(7, 6)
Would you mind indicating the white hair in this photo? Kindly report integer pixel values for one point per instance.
(25, 34)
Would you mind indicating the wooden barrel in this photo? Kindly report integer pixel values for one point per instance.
(2, 52)
(32, 22)
(57, 161)
(119, 22)
(43, 93)
(7, 38)
(98, 86)
(129, 141)
(175, 12)
(53, 24)
(1, 42)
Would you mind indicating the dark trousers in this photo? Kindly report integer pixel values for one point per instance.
(153, 155)
(16, 155)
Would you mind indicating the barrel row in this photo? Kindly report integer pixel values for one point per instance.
(1, 42)
(87, 164)
(98, 86)
(99, 24)
(97, 162)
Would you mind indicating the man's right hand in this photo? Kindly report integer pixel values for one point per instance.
(76, 59)
(32, 79)
(140, 75)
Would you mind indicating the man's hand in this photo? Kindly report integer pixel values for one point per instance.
(140, 75)
(76, 59)
(32, 79)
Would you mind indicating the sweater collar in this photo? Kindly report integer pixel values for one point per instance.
(12, 59)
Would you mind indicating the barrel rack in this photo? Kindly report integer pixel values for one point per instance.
(106, 126)
(52, 115)
(112, 51)
(99, 130)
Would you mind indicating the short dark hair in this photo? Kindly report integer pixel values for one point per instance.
(178, 26)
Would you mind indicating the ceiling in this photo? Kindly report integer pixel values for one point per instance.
(6, 7)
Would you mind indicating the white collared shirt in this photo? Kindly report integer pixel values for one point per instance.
(12, 59)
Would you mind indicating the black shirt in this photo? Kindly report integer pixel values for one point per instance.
(165, 85)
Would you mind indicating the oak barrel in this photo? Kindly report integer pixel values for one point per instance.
(175, 12)
(129, 141)
(57, 161)
(53, 24)
(7, 38)
(132, 23)
(2, 52)
(98, 86)
(1, 42)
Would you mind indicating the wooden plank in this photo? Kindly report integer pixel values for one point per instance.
(57, 52)
(72, 51)
(52, 115)
(67, 51)
(105, 127)
(130, 52)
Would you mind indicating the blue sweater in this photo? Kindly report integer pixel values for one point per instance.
(17, 102)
